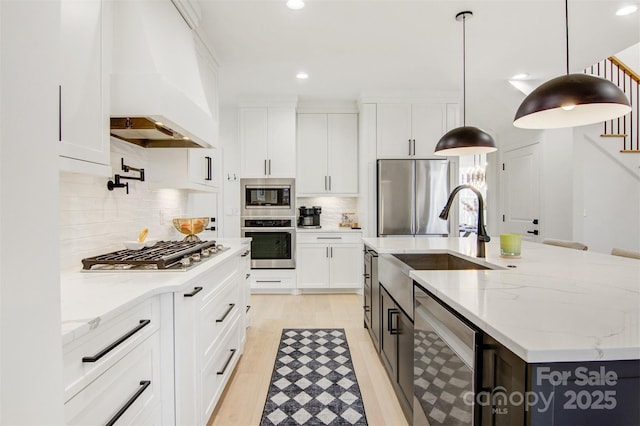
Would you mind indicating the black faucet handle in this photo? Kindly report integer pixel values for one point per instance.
(484, 238)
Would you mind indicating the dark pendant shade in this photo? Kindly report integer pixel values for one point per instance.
(571, 100)
(466, 140)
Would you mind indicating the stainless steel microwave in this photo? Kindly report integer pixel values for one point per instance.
(268, 197)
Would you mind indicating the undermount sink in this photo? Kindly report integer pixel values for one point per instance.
(437, 261)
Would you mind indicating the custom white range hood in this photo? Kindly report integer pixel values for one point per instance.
(157, 95)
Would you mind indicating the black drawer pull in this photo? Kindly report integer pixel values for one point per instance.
(248, 308)
(226, 364)
(195, 291)
(268, 281)
(143, 386)
(390, 327)
(143, 323)
(229, 309)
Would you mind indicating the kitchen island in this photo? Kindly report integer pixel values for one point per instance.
(564, 315)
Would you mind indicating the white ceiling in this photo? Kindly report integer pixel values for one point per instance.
(353, 46)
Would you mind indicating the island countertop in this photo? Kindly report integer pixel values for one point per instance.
(551, 305)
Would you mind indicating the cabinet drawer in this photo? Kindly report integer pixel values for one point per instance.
(218, 369)
(329, 237)
(129, 391)
(211, 281)
(217, 313)
(272, 279)
(92, 354)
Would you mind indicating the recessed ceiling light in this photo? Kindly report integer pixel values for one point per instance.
(627, 10)
(302, 75)
(295, 4)
(520, 76)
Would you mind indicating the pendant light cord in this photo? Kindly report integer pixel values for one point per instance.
(464, 71)
(566, 30)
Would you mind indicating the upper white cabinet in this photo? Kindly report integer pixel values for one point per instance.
(268, 141)
(327, 154)
(186, 168)
(407, 130)
(83, 92)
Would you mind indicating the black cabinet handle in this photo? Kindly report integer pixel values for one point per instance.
(96, 357)
(409, 146)
(248, 308)
(536, 232)
(245, 254)
(390, 328)
(226, 364)
(367, 308)
(59, 113)
(536, 221)
(208, 160)
(268, 281)
(195, 291)
(229, 309)
(143, 386)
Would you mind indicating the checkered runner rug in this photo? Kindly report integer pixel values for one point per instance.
(313, 381)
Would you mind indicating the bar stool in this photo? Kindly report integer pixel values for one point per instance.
(568, 244)
(625, 253)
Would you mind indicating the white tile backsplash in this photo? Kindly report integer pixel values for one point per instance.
(332, 208)
(94, 220)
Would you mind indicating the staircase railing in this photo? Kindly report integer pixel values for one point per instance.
(627, 126)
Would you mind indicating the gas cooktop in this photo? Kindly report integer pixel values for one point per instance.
(162, 256)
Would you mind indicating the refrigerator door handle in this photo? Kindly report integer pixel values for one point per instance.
(413, 199)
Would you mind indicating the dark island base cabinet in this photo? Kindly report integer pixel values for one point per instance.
(562, 393)
(371, 296)
(396, 350)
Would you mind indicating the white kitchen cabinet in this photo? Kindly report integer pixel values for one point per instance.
(327, 154)
(119, 369)
(185, 168)
(273, 281)
(209, 331)
(329, 260)
(407, 130)
(83, 105)
(268, 142)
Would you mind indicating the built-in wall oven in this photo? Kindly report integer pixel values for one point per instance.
(273, 242)
(444, 364)
(269, 219)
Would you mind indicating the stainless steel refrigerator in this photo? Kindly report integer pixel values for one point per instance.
(411, 195)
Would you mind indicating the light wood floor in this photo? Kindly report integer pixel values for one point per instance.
(244, 397)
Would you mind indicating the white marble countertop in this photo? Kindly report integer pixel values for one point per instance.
(556, 305)
(88, 298)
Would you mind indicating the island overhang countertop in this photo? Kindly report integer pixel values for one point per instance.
(552, 304)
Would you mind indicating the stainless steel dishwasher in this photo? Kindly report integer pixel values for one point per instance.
(445, 348)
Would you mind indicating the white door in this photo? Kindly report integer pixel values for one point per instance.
(343, 153)
(346, 265)
(83, 127)
(282, 142)
(521, 189)
(253, 137)
(312, 265)
(312, 154)
(394, 130)
(428, 123)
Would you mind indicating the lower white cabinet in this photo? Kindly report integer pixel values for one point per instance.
(329, 260)
(209, 330)
(273, 280)
(120, 371)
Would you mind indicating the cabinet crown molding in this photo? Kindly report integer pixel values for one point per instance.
(272, 101)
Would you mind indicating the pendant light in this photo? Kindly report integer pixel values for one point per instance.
(571, 100)
(465, 140)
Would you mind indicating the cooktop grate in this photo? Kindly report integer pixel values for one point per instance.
(162, 255)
